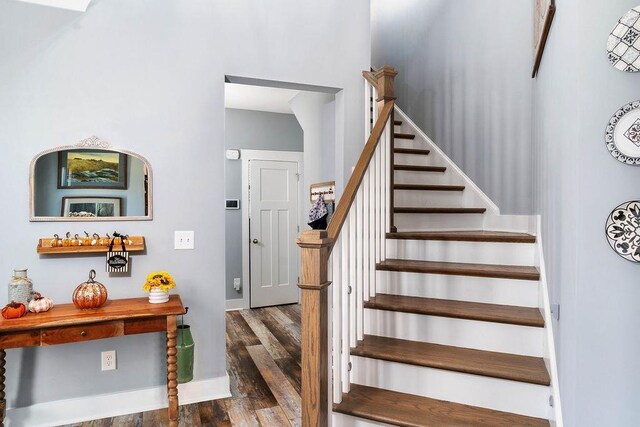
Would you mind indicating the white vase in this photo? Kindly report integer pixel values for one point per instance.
(158, 296)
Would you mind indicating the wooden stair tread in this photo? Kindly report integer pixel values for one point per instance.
(509, 314)
(439, 210)
(471, 361)
(402, 409)
(404, 136)
(465, 236)
(395, 122)
(411, 151)
(498, 271)
(421, 187)
(419, 168)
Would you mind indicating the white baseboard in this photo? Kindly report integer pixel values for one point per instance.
(235, 304)
(87, 408)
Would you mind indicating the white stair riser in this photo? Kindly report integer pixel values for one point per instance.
(442, 199)
(434, 178)
(342, 420)
(416, 143)
(523, 293)
(488, 336)
(493, 393)
(415, 159)
(438, 222)
(473, 252)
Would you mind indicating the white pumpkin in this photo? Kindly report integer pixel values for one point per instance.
(40, 304)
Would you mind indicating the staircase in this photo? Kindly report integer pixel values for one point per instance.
(446, 320)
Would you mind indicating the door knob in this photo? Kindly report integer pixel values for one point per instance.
(255, 241)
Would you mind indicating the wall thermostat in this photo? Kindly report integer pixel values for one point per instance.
(233, 154)
(232, 203)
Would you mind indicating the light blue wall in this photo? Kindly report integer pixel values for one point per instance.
(148, 75)
(578, 183)
(255, 130)
(464, 78)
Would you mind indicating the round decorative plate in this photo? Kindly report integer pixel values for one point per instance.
(623, 134)
(623, 44)
(623, 230)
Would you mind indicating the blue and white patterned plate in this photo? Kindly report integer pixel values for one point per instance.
(623, 134)
(623, 44)
(623, 230)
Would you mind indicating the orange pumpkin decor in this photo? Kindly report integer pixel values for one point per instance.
(14, 310)
(90, 294)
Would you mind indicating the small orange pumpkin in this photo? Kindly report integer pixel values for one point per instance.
(90, 294)
(14, 310)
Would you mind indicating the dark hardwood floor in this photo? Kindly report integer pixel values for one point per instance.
(263, 361)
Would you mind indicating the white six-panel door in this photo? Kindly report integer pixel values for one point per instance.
(273, 213)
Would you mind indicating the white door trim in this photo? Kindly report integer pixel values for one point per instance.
(245, 156)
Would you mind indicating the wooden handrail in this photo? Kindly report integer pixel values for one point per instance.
(315, 248)
(349, 193)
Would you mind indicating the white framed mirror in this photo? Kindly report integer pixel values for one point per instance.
(90, 181)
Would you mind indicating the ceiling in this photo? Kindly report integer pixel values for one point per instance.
(260, 98)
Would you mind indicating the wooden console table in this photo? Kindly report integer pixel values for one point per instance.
(67, 324)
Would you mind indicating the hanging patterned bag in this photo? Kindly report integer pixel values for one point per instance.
(118, 261)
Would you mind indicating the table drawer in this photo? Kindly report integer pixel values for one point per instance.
(69, 334)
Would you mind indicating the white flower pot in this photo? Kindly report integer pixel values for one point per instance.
(158, 296)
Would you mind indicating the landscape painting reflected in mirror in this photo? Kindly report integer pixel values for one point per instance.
(92, 169)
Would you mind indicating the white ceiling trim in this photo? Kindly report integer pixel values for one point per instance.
(77, 5)
(259, 98)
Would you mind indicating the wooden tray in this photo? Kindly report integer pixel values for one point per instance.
(44, 247)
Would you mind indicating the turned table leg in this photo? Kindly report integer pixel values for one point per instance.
(172, 371)
(3, 402)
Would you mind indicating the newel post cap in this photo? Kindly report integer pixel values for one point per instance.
(313, 239)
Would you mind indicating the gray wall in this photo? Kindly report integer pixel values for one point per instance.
(464, 78)
(48, 197)
(148, 75)
(577, 185)
(255, 130)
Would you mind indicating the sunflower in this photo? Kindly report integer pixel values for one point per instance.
(159, 280)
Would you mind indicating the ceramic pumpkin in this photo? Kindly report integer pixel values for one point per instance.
(14, 310)
(90, 294)
(39, 304)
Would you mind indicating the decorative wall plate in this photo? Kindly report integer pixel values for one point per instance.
(623, 230)
(623, 134)
(623, 45)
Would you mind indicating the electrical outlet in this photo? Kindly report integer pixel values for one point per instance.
(108, 360)
(184, 240)
(236, 284)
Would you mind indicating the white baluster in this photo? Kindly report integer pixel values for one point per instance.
(366, 257)
(336, 326)
(353, 225)
(367, 109)
(387, 132)
(382, 192)
(359, 265)
(378, 203)
(344, 281)
(372, 228)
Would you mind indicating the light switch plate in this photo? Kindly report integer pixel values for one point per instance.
(184, 240)
(237, 283)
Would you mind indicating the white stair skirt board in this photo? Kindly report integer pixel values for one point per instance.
(422, 141)
(476, 390)
(522, 293)
(342, 420)
(100, 406)
(470, 252)
(438, 222)
(490, 336)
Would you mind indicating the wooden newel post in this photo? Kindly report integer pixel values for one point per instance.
(315, 246)
(385, 77)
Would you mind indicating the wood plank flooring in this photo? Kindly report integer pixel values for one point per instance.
(263, 362)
